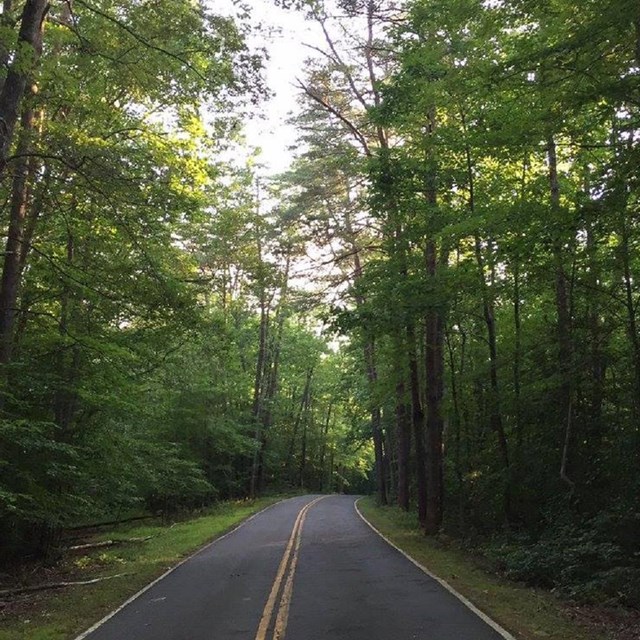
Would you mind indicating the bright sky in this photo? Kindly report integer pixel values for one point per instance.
(283, 33)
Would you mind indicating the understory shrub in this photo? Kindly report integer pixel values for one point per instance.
(597, 560)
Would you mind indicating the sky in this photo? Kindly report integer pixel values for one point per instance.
(284, 34)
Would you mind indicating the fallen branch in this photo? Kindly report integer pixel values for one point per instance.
(106, 543)
(56, 585)
(110, 523)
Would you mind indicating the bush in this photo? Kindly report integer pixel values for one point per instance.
(586, 562)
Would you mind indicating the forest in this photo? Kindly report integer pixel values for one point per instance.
(438, 301)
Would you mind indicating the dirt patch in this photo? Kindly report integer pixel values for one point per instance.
(616, 623)
(23, 606)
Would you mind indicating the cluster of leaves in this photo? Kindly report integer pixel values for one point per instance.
(152, 356)
(592, 560)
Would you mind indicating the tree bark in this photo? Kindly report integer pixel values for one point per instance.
(457, 424)
(11, 268)
(403, 443)
(418, 426)
(631, 310)
(296, 425)
(372, 375)
(28, 51)
(258, 391)
(434, 351)
(376, 428)
(563, 314)
(376, 422)
(434, 334)
(303, 448)
(323, 451)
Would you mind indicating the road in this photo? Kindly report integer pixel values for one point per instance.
(308, 568)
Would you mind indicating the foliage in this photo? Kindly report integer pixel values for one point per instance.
(151, 341)
(587, 561)
(487, 153)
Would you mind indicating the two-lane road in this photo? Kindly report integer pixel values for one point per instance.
(308, 568)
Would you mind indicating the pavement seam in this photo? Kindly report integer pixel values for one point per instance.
(483, 616)
(136, 595)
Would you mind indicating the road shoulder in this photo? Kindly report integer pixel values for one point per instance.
(528, 614)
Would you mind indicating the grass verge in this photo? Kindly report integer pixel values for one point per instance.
(63, 614)
(527, 613)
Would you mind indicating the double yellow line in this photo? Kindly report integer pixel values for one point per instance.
(287, 566)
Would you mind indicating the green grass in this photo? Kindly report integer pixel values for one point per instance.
(527, 613)
(63, 614)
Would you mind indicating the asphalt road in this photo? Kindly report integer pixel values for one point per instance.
(305, 569)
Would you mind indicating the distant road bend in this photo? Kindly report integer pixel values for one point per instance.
(307, 568)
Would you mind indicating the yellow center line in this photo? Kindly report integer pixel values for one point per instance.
(283, 611)
(285, 600)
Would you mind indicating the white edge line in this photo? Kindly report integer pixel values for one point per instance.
(91, 629)
(483, 616)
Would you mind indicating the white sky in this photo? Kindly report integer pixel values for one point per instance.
(283, 32)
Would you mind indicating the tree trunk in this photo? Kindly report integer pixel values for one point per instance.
(372, 375)
(632, 319)
(376, 428)
(596, 339)
(418, 426)
(434, 348)
(258, 392)
(376, 422)
(403, 442)
(563, 313)
(434, 333)
(14, 249)
(296, 425)
(303, 448)
(457, 423)
(323, 451)
(495, 414)
(517, 353)
(271, 366)
(28, 51)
